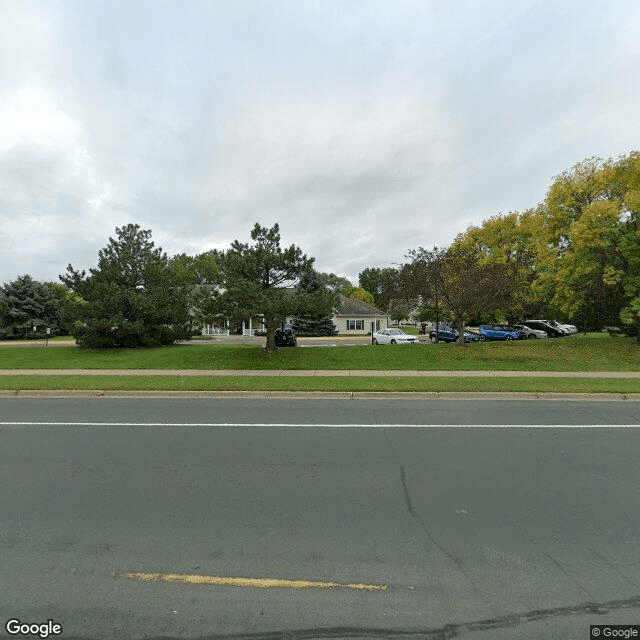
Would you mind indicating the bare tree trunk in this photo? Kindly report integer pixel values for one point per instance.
(270, 347)
(460, 327)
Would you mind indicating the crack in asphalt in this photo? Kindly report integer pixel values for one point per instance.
(614, 568)
(458, 562)
(445, 632)
(423, 525)
(564, 570)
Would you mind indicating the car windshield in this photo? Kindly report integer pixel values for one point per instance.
(397, 332)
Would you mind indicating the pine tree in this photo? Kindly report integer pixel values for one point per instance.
(315, 324)
(133, 298)
(257, 280)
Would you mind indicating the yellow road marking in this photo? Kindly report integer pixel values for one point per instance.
(257, 583)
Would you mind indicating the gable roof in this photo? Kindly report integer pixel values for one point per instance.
(352, 307)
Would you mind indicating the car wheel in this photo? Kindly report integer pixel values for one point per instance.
(509, 338)
(532, 336)
(393, 342)
(374, 341)
(482, 338)
(434, 339)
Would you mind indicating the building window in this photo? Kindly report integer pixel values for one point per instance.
(355, 325)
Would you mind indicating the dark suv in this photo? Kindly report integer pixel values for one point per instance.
(285, 338)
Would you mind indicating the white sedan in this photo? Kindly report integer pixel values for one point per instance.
(568, 328)
(393, 336)
(529, 332)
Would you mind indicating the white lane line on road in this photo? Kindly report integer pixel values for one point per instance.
(17, 423)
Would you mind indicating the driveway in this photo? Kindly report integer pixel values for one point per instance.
(331, 341)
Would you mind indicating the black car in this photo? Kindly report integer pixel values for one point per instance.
(285, 338)
(551, 331)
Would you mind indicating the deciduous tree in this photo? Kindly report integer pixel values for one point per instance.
(398, 315)
(358, 293)
(333, 282)
(379, 282)
(470, 287)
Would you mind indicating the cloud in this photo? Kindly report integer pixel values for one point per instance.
(363, 128)
(48, 185)
(319, 162)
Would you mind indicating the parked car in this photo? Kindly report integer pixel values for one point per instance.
(567, 328)
(393, 336)
(285, 338)
(445, 333)
(529, 332)
(471, 336)
(547, 327)
(499, 332)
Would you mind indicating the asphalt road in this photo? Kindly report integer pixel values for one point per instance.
(126, 518)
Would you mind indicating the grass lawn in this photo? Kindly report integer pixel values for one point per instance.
(592, 352)
(258, 383)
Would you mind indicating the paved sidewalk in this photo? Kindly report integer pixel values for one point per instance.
(323, 373)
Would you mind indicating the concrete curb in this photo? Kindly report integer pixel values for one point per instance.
(322, 373)
(335, 395)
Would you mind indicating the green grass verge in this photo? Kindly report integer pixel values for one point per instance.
(258, 383)
(575, 353)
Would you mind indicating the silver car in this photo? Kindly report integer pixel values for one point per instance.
(393, 336)
(568, 328)
(529, 332)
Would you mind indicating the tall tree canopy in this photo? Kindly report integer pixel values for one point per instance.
(470, 286)
(586, 254)
(380, 283)
(358, 293)
(333, 282)
(133, 298)
(510, 241)
(259, 279)
(455, 282)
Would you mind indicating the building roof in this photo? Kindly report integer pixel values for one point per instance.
(352, 307)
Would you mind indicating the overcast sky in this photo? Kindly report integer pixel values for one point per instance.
(365, 128)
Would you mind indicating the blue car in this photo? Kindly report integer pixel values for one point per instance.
(446, 333)
(499, 332)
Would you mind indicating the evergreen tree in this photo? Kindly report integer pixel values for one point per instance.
(315, 324)
(133, 298)
(27, 303)
(257, 280)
